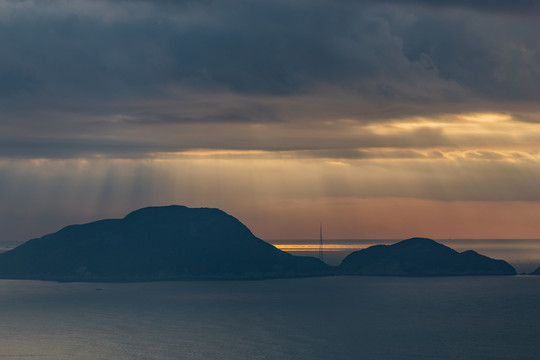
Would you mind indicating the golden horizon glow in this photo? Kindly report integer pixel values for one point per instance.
(315, 247)
(473, 178)
(450, 135)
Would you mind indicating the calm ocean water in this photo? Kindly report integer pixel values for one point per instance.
(524, 255)
(313, 318)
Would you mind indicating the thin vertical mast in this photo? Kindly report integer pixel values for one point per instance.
(321, 256)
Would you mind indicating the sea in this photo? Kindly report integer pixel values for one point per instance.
(339, 317)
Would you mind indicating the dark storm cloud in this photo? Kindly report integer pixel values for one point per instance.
(55, 148)
(350, 154)
(265, 47)
(249, 113)
(148, 143)
(110, 67)
(516, 6)
(527, 117)
(486, 5)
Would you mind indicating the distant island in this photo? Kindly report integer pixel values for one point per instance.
(181, 243)
(421, 257)
(536, 272)
(156, 243)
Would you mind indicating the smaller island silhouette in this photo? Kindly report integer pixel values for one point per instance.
(421, 257)
(181, 243)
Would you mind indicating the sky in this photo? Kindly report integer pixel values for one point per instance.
(380, 119)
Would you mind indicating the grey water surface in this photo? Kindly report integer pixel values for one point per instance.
(311, 318)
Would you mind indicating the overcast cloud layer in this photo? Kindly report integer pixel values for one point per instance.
(278, 108)
(81, 78)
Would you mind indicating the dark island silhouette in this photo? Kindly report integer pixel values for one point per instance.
(536, 272)
(181, 243)
(156, 243)
(421, 257)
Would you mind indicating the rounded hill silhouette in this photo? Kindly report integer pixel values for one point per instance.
(181, 243)
(155, 243)
(421, 257)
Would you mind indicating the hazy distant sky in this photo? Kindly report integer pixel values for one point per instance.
(382, 119)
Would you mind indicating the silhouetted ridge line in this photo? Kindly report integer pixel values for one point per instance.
(536, 272)
(421, 257)
(155, 243)
(177, 242)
